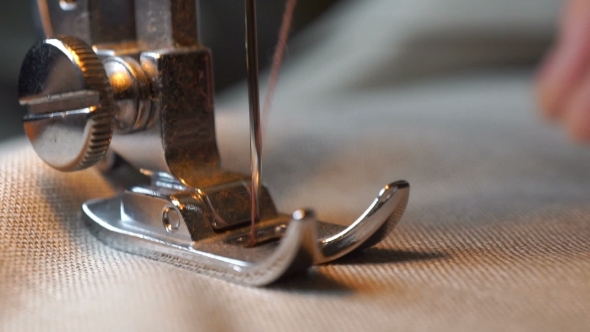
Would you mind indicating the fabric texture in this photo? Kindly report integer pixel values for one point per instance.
(496, 235)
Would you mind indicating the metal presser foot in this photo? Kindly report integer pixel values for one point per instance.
(208, 230)
(129, 78)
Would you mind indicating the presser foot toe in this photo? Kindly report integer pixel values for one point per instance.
(371, 227)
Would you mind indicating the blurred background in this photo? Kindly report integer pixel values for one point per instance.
(425, 38)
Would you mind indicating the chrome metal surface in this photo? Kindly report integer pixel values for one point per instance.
(150, 87)
(257, 266)
(70, 103)
(372, 226)
(286, 244)
(171, 219)
(254, 98)
(162, 109)
(131, 90)
(180, 138)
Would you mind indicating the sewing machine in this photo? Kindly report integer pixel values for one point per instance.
(129, 79)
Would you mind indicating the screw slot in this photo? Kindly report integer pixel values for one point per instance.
(171, 219)
(68, 4)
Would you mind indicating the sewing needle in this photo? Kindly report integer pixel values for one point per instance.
(254, 100)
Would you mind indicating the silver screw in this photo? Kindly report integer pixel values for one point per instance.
(171, 219)
(70, 101)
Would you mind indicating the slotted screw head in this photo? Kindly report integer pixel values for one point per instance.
(65, 87)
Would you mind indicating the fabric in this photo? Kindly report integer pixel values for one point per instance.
(496, 235)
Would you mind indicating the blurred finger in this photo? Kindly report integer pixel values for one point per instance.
(577, 112)
(564, 68)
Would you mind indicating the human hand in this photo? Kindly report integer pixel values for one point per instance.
(563, 83)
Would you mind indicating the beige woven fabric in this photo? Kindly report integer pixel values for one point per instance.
(496, 236)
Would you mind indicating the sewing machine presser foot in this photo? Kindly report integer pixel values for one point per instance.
(193, 229)
(146, 96)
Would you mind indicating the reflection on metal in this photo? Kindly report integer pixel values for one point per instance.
(133, 82)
